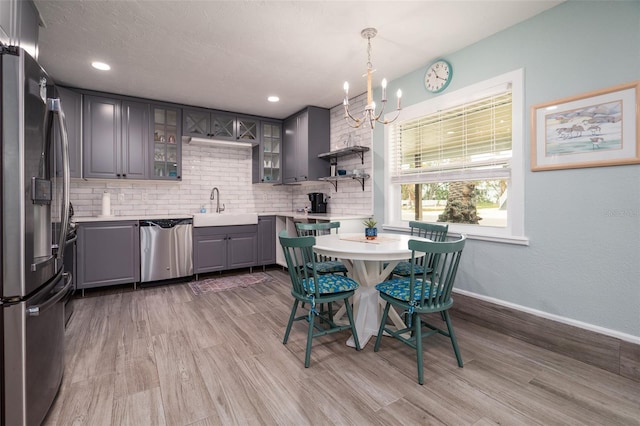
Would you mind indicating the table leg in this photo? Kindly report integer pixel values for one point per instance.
(366, 307)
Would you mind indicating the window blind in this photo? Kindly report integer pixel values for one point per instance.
(471, 141)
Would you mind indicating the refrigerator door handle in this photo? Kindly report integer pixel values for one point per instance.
(54, 105)
(35, 310)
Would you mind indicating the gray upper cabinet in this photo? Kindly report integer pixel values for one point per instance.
(167, 143)
(306, 135)
(19, 24)
(267, 158)
(204, 123)
(72, 106)
(247, 129)
(115, 138)
(197, 123)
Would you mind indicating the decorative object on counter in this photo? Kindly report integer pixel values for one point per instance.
(370, 230)
(334, 166)
(203, 209)
(228, 282)
(106, 203)
(369, 114)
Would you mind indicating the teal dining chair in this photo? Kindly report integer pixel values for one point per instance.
(423, 293)
(324, 264)
(309, 287)
(434, 232)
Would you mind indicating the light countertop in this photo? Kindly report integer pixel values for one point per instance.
(292, 215)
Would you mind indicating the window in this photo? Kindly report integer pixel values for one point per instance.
(458, 159)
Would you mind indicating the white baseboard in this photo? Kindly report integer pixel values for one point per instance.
(586, 326)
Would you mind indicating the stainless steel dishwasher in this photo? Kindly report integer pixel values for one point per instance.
(166, 249)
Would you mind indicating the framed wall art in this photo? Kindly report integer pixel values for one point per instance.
(594, 129)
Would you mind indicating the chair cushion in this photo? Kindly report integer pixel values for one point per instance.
(404, 268)
(328, 267)
(331, 283)
(398, 288)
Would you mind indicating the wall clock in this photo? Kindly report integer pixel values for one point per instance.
(438, 76)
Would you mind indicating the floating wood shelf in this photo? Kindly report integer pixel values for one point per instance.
(359, 150)
(334, 179)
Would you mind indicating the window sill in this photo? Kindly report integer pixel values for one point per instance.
(494, 238)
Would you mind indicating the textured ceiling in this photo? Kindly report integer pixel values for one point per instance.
(231, 55)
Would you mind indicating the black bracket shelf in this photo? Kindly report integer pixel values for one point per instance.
(359, 150)
(334, 179)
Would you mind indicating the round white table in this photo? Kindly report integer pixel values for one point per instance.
(364, 260)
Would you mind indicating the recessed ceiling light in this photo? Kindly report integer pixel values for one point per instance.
(273, 99)
(101, 66)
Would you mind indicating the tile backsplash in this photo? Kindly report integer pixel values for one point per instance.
(229, 169)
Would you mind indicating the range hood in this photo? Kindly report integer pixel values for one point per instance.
(218, 142)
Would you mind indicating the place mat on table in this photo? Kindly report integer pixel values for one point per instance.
(363, 239)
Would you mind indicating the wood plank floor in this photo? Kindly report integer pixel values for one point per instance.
(162, 356)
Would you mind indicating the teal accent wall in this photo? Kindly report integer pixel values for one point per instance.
(583, 261)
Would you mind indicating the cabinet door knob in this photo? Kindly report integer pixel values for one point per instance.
(124, 175)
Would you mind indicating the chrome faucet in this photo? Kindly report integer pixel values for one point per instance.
(215, 191)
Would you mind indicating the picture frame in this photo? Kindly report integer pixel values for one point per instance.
(594, 129)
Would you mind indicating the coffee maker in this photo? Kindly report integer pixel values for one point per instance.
(318, 203)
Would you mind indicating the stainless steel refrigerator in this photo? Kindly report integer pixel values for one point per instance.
(34, 200)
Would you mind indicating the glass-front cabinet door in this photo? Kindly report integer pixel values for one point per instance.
(247, 129)
(271, 143)
(166, 143)
(222, 126)
(196, 122)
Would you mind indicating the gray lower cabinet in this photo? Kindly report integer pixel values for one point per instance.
(306, 135)
(266, 240)
(115, 138)
(218, 248)
(108, 253)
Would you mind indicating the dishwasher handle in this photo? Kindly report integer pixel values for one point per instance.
(166, 223)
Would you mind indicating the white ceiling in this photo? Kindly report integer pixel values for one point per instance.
(231, 55)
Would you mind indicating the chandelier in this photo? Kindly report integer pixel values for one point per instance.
(369, 115)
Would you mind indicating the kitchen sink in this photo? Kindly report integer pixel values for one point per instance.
(224, 219)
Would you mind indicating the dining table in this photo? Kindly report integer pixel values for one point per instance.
(369, 262)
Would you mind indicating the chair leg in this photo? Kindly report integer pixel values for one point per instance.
(417, 324)
(352, 322)
(383, 321)
(307, 355)
(294, 308)
(452, 335)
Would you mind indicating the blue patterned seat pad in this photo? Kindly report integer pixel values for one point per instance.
(330, 283)
(398, 288)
